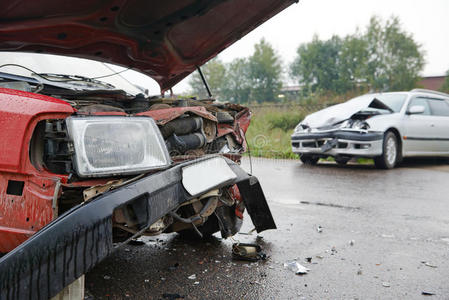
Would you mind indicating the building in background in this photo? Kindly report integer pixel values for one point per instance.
(432, 82)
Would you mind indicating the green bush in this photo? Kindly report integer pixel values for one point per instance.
(270, 131)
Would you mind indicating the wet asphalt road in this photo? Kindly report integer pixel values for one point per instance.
(397, 220)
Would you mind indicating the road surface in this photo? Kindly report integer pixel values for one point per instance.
(383, 235)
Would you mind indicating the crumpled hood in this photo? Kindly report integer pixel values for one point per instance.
(163, 39)
(340, 112)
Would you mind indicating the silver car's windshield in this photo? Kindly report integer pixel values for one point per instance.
(393, 101)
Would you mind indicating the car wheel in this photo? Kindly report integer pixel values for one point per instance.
(342, 160)
(309, 159)
(390, 153)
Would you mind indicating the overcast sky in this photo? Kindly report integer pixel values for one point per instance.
(427, 20)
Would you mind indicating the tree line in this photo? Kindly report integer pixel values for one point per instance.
(382, 57)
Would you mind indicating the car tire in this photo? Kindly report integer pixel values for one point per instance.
(309, 159)
(390, 152)
(342, 160)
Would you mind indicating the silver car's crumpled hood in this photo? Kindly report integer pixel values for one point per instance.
(340, 112)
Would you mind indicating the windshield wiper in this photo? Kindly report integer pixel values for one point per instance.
(74, 79)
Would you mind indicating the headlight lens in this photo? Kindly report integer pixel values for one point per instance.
(113, 145)
(355, 124)
(359, 124)
(301, 127)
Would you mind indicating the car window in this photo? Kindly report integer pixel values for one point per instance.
(393, 101)
(439, 107)
(421, 102)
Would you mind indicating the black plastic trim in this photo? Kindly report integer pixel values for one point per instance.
(345, 135)
(426, 139)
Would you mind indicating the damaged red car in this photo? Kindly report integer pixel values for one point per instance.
(88, 163)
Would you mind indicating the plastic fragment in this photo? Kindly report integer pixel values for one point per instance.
(192, 277)
(427, 293)
(426, 263)
(294, 266)
(386, 284)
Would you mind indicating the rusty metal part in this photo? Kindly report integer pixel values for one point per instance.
(158, 106)
(99, 108)
(96, 190)
(210, 130)
(248, 252)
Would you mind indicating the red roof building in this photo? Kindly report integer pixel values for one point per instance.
(432, 82)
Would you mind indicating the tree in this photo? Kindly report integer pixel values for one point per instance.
(384, 57)
(394, 58)
(265, 72)
(317, 66)
(215, 73)
(445, 87)
(237, 86)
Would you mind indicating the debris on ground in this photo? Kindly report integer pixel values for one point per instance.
(136, 242)
(351, 243)
(359, 272)
(426, 263)
(294, 266)
(385, 284)
(309, 259)
(319, 256)
(107, 277)
(249, 232)
(427, 293)
(319, 229)
(172, 296)
(174, 267)
(389, 236)
(192, 277)
(247, 252)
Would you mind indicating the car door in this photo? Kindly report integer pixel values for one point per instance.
(440, 113)
(418, 129)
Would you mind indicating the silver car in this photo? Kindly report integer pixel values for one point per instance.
(386, 127)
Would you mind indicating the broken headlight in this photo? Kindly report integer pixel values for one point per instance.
(116, 145)
(355, 124)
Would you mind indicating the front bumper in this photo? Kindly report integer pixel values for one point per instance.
(343, 143)
(75, 242)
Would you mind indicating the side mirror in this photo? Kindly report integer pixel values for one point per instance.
(416, 109)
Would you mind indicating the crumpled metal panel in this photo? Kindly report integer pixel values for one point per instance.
(163, 116)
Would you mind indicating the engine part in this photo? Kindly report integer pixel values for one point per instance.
(180, 144)
(210, 130)
(181, 126)
(224, 117)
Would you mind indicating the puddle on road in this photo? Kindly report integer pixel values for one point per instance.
(329, 205)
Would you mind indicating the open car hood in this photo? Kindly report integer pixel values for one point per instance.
(340, 112)
(163, 39)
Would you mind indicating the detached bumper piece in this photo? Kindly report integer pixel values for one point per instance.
(75, 242)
